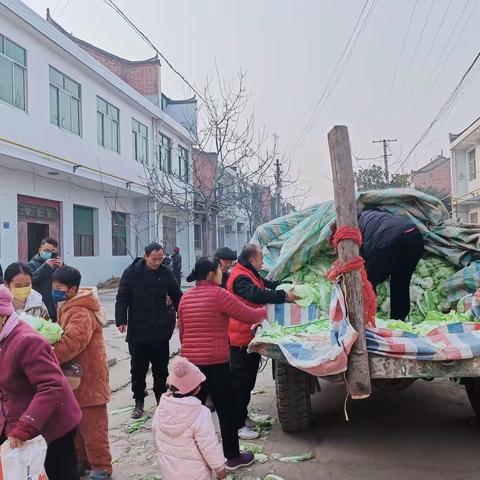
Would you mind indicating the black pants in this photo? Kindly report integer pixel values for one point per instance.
(143, 355)
(178, 277)
(61, 459)
(244, 367)
(397, 261)
(219, 386)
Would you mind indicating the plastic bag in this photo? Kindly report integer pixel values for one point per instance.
(25, 463)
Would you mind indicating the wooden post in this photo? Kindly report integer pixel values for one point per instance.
(358, 372)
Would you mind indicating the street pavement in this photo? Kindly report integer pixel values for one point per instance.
(424, 432)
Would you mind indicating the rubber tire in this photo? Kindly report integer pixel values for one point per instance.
(293, 398)
(472, 386)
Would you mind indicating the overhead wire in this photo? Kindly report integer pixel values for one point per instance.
(427, 56)
(339, 68)
(451, 101)
(444, 49)
(402, 50)
(420, 38)
(120, 12)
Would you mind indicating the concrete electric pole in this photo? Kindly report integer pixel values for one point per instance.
(278, 188)
(385, 142)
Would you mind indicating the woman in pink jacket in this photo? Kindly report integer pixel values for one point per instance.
(203, 317)
(185, 437)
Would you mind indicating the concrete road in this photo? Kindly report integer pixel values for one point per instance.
(425, 432)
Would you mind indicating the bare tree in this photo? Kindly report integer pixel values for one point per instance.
(227, 155)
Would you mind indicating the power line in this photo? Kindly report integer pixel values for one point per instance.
(339, 68)
(420, 38)
(444, 49)
(402, 49)
(448, 105)
(427, 56)
(117, 9)
(454, 45)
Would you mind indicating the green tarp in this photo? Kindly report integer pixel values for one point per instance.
(302, 239)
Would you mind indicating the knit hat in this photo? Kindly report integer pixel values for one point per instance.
(226, 253)
(184, 375)
(6, 307)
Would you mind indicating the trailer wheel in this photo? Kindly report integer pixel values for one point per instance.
(472, 386)
(293, 398)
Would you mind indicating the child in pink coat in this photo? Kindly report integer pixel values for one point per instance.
(185, 437)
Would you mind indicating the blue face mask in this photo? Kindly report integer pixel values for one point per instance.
(45, 255)
(58, 296)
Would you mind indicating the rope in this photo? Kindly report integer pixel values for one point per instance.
(356, 263)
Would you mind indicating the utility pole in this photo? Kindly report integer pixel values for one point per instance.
(385, 142)
(278, 188)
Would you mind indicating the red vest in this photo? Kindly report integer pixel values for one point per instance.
(240, 334)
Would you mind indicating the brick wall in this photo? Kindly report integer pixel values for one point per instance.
(438, 177)
(142, 76)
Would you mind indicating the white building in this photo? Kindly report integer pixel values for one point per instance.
(465, 148)
(74, 138)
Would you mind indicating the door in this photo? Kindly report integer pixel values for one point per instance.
(36, 232)
(37, 218)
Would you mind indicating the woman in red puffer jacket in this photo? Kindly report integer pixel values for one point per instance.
(203, 317)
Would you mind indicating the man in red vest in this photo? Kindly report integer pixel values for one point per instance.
(246, 284)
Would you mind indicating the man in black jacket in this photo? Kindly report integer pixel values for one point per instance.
(177, 265)
(226, 257)
(43, 265)
(392, 247)
(141, 310)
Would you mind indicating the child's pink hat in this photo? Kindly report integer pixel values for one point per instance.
(6, 307)
(184, 375)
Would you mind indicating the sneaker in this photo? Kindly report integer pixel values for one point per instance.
(138, 410)
(246, 433)
(97, 475)
(244, 460)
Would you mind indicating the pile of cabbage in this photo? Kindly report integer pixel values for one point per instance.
(429, 305)
(47, 329)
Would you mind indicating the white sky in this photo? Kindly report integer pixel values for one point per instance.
(289, 49)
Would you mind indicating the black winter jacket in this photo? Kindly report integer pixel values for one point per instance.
(246, 289)
(380, 230)
(42, 282)
(142, 303)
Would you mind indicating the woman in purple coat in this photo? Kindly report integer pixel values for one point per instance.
(35, 397)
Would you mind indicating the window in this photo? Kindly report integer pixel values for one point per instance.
(472, 165)
(183, 165)
(165, 154)
(65, 102)
(83, 231)
(169, 234)
(119, 233)
(164, 102)
(221, 237)
(140, 141)
(474, 218)
(108, 125)
(13, 73)
(197, 236)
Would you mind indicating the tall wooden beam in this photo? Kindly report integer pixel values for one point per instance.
(358, 372)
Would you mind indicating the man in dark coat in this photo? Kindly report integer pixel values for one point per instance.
(177, 265)
(142, 311)
(43, 265)
(226, 256)
(392, 247)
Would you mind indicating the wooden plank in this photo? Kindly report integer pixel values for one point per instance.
(389, 367)
(358, 373)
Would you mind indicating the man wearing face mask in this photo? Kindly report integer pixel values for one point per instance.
(246, 284)
(142, 311)
(43, 265)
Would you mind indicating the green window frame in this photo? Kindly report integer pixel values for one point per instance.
(183, 164)
(165, 153)
(108, 125)
(13, 73)
(119, 234)
(65, 102)
(140, 142)
(83, 231)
